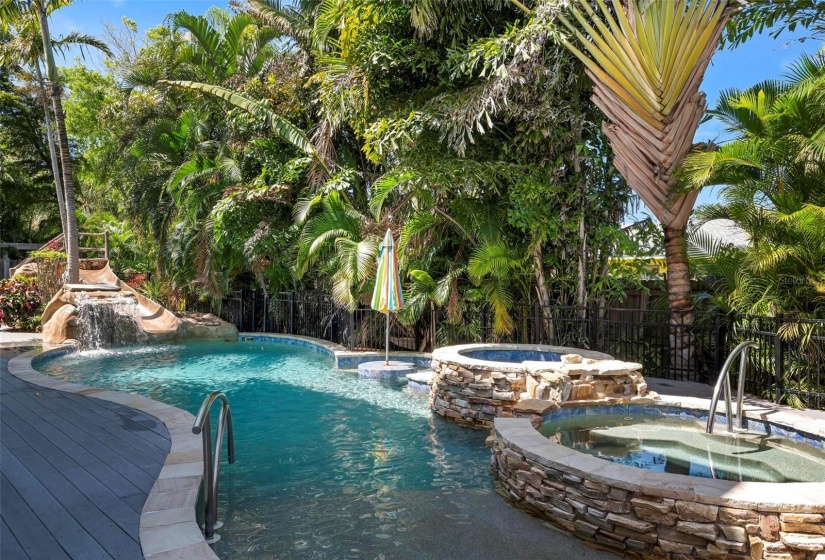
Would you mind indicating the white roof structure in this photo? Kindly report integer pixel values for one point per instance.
(726, 231)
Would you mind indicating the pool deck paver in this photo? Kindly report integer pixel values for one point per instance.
(76, 472)
(88, 473)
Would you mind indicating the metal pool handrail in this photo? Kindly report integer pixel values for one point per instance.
(212, 461)
(724, 381)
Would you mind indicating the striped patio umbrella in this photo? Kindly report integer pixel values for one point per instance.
(387, 296)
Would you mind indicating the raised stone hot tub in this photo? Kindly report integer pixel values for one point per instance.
(476, 383)
(660, 515)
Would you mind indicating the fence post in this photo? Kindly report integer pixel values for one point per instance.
(106, 244)
(779, 359)
(263, 328)
(718, 351)
(291, 312)
(254, 297)
(483, 325)
(350, 329)
(433, 326)
(594, 325)
(536, 323)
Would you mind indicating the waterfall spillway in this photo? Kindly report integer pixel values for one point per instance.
(108, 322)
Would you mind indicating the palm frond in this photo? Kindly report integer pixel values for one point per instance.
(284, 129)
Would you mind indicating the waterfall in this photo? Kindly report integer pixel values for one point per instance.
(108, 322)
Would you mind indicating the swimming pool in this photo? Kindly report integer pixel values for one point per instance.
(328, 465)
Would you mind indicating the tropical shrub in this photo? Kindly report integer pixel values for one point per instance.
(772, 177)
(161, 291)
(134, 279)
(20, 303)
(51, 264)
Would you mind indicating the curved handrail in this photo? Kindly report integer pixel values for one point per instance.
(212, 460)
(724, 381)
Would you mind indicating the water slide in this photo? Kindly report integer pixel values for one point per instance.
(155, 319)
(99, 281)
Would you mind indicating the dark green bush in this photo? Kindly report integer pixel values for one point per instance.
(20, 303)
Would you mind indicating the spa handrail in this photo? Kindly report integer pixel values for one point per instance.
(212, 461)
(723, 382)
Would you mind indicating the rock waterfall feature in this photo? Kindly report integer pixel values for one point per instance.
(103, 311)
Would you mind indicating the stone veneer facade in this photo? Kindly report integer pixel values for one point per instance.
(473, 392)
(641, 514)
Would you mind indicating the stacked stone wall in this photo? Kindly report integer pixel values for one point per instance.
(637, 524)
(474, 394)
(474, 398)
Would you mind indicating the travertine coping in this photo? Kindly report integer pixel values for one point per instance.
(519, 433)
(455, 355)
(168, 529)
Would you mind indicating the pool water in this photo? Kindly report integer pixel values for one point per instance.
(512, 356)
(681, 446)
(328, 465)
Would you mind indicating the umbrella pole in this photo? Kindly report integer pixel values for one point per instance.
(387, 348)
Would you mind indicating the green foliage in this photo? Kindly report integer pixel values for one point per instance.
(757, 16)
(773, 177)
(280, 126)
(48, 255)
(471, 138)
(28, 208)
(20, 303)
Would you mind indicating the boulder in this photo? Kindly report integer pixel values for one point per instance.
(571, 359)
(28, 270)
(535, 406)
(531, 385)
(204, 326)
(556, 390)
(61, 326)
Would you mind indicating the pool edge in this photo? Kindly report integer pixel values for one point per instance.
(342, 357)
(168, 528)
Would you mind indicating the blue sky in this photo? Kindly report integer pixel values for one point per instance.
(759, 59)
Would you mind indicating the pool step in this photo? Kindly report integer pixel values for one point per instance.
(420, 382)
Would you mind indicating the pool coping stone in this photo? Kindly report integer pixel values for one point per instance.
(168, 528)
(456, 355)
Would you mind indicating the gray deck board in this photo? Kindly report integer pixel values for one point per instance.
(10, 549)
(118, 449)
(75, 472)
(34, 539)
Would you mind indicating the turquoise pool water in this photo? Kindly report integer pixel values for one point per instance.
(328, 465)
(681, 446)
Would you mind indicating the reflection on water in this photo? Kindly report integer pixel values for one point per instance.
(328, 465)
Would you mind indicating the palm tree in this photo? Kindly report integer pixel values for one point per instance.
(351, 241)
(226, 47)
(30, 44)
(56, 91)
(646, 61)
(771, 173)
(776, 157)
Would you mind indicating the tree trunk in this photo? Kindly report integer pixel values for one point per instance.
(680, 306)
(581, 295)
(71, 241)
(52, 151)
(543, 294)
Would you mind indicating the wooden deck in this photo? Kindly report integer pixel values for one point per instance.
(74, 472)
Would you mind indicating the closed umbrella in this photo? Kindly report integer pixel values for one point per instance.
(387, 296)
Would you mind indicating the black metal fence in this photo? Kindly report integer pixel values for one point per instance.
(788, 366)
